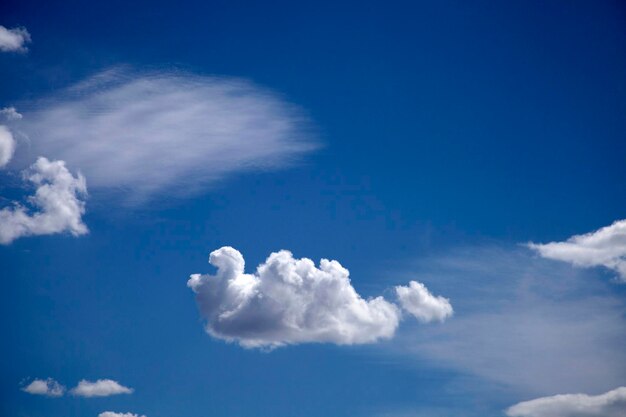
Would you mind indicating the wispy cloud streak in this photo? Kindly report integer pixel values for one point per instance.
(174, 132)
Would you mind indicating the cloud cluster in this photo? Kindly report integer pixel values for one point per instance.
(146, 133)
(289, 301)
(48, 387)
(13, 40)
(113, 414)
(100, 388)
(417, 300)
(57, 201)
(609, 404)
(604, 247)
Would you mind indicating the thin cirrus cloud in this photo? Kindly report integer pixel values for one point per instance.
(47, 387)
(527, 325)
(57, 203)
(289, 301)
(144, 133)
(604, 247)
(13, 40)
(609, 404)
(114, 414)
(99, 388)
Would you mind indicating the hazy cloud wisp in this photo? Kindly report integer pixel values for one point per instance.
(145, 133)
(521, 322)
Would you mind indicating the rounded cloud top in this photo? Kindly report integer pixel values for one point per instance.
(291, 301)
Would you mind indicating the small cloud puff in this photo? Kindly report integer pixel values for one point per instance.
(113, 414)
(417, 300)
(58, 202)
(48, 387)
(609, 404)
(100, 388)
(288, 301)
(7, 146)
(603, 247)
(13, 40)
(10, 113)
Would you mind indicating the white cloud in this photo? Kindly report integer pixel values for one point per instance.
(99, 388)
(610, 404)
(417, 300)
(57, 200)
(146, 133)
(10, 113)
(288, 301)
(522, 324)
(604, 247)
(13, 40)
(48, 387)
(7, 145)
(113, 414)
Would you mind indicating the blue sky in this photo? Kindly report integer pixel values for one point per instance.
(409, 141)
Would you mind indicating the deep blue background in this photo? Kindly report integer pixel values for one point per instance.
(444, 123)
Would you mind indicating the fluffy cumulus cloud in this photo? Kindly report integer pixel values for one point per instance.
(288, 301)
(610, 404)
(48, 387)
(100, 388)
(604, 247)
(7, 145)
(417, 300)
(145, 133)
(57, 203)
(13, 40)
(113, 414)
